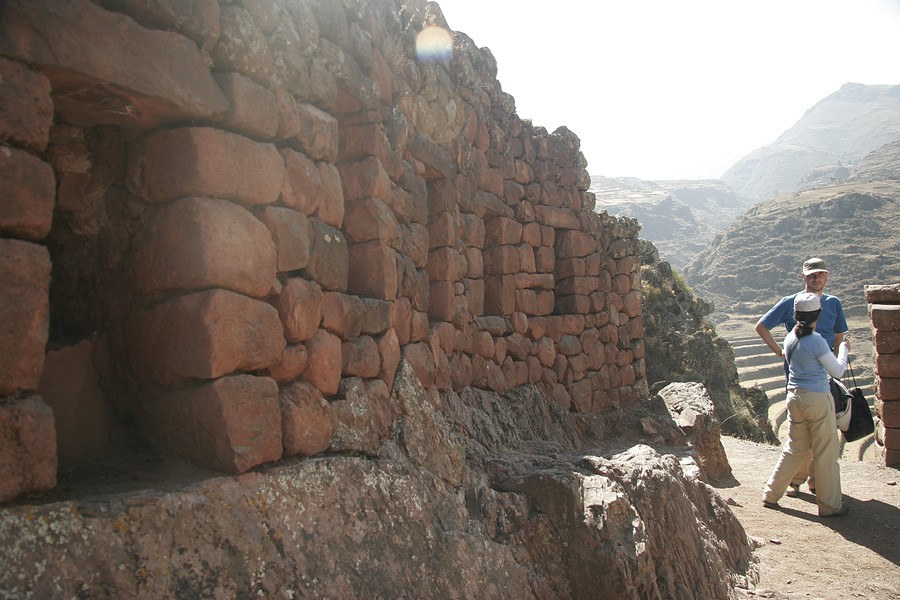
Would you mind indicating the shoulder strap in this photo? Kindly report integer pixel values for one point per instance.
(790, 350)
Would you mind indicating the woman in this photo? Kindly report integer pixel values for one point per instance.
(810, 411)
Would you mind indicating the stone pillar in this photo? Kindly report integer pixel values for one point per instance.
(884, 311)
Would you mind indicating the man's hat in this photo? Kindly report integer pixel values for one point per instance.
(814, 265)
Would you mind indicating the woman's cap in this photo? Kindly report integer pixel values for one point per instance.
(814, 265)
(806, 302)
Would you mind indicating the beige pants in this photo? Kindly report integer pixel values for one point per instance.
(811, 427)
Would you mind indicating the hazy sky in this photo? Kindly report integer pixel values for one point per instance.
(669, 89)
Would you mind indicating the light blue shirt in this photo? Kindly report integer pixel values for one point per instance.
(811, 361)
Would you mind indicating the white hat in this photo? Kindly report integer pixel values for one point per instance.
(806, 302)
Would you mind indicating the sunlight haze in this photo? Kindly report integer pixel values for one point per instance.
(657, 89)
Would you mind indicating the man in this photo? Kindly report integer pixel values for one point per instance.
(831, 325)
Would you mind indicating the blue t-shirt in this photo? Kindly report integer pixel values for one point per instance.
(806, 370)
(831, 320)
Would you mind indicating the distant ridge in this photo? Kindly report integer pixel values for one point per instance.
(833, 135)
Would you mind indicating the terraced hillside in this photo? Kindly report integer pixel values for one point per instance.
(757, 366)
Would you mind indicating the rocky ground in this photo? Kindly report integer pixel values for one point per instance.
(804, 556)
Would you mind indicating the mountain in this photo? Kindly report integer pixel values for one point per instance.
(854, 226)
(824, 145)
(680, 217)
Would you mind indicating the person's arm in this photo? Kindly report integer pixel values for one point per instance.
(836, 366)
(766, 336)
(838, 338)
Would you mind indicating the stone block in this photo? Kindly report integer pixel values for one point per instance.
(329, 256)
(290, 366)
(886, 342)
(474, 293)
(501, 260)
(887, 365)
(371, 219)
(365, 178)
(360, 358)
(203, 335)
(418, 326)
(389, 351)
(579, 305)
(343, 315)
(197, 19)
(24, 314)
(474, 263)
(27, 447)
(446, 264)
(540, 281)
(148, 77)
(307, 128)
(502, 231)
(363, 417)
(500, 294)
(442, 230)
(231, 424)
(373, 270)
(300, 309)
(572, 243)
(29, 193)
(401, 202)
(421, 359)
(27, 108)
(544, 259)
(70, 386)
(883, 294)
(253, 111)
(885, 317)
(331, 204)
(526, 301)
(307, 424)
(582, 286)
(201, 161)
(324, 364)
(473, 231)
(571, 267)
(888, 390)
(197, 243)
(557, 218)
(302, 187)
(290, 233)
(531, 234)
(888, 411)
(401, 319)
(416, 244)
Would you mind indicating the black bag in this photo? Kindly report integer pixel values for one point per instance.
(861, 421)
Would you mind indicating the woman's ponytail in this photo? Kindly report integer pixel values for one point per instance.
(805, 321)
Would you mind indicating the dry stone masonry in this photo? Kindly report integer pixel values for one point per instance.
(884, 312)
(240, 218)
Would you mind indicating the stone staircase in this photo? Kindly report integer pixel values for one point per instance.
(758, 366)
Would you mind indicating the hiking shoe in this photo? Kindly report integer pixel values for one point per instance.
(772, 505)
(793, 491)
(843, 510)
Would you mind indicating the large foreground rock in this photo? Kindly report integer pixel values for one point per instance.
(473, 495)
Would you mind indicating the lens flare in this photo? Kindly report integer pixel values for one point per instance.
(434, 44)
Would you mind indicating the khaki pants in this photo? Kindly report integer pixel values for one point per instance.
(811, 427)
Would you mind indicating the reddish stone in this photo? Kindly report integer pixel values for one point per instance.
(27, 108)
(446, 264)
(561, 397)
(442, 230)
(887, 365)
(537, 327)
(518, 346)
(571, 267)
(373, 270)
(415, 244)
(203, 335)
(239, 416)
(331, 204)
(531, 234)
(389, 351)
(886, 342)
(307, 424)
(460, 371)
(371, 219)
(309, 129)
(545, 302)
(365, 179)
(885, 317)
(502, 231)
(581, 286)
(474, 263)
(500, 295)
(401, 202)
(24, 314)
(323, 366)
(376, 316)
(473, 231)
(888, 390)
(573, 243)
(418, 329)
(29, 193)
(499, 350)
(544, 281)
(441, 367)
(594, 266)
(300, 308)
(501, 260)
(290, 233)
(197, 243)
(579, 305)
(253, 111)
(201, 161)
(291, 365)
(363, 417)
(329, 257)
(401, 320)
(544, 259)
(474, 293)
(61, 39)
(442, 301)
(360, 358)
(421, 360)
(621, 284)
(557, 218)
(526, 258)
(302, 187)
(889, 437)
(342, 315)
(70, 386)
(27, 447)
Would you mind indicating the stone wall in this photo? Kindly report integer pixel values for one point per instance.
(252, 212)
(884, 311)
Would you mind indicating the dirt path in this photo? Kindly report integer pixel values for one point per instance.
(804, 556)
